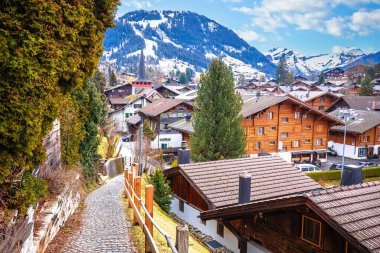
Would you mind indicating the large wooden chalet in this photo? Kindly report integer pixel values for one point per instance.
(286, 125)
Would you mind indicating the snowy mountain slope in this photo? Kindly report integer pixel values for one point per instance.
(170, 37)
(307, 65)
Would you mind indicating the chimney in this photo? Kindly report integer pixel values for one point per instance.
(244, 188)
(183, 154)
(352, 174)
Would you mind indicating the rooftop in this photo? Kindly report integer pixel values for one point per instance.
(364, 121)
(272, 177)
(160, 106)
(360, 102)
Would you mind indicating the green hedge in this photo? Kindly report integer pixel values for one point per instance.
(335, 174)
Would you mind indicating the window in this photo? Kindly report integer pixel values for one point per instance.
(284, 149)
(181, 205)
(220, 229)
(296, 143)
(284, 120)
(137, 106)
(272, 143)
(321, 108)
(319, 142)
(260, 130)
(304, 116)
(258, 145)
(297, 115)
(362, 152)
(366, 138)
(321, 99)
(249, 117)
(284, 135)
(378, 138)
(257, 115)
(127, 115)
(308, 127)
(307, 140)
(269, 115)
(164, 145)
(311, 231)
(273, 128)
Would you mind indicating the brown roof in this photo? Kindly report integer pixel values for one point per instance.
(359, 102)
(125, 101)
(134, 119)
(272, 177)
(255, 105)
(363, 121)
(356, 209)
(160, 106)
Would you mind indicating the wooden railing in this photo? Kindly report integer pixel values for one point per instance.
(132, 188)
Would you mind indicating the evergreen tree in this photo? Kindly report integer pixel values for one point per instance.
(281, 71)
(189, 73)
(162, 191)
(183, 78)
(289, 78)
(218, 133)
(371, 73)
(241, 80)
(321, 79)
(262, 79)
(113, 79)
(366, 88)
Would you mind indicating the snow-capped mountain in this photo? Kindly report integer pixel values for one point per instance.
(307, 65)
(180, 40)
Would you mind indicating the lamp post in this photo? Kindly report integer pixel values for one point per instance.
(345, 115)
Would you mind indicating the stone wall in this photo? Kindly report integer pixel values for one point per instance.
(33, 233)
(52, 143)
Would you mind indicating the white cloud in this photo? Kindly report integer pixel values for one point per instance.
(250, 36)
(317, 15)
(138, 4)
(365, 22)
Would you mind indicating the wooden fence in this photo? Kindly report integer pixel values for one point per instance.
(132, 188)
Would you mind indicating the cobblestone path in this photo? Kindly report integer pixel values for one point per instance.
(105, 228)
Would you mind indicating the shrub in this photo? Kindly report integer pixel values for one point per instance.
(162, 191)
(32, 190)
(335, 174)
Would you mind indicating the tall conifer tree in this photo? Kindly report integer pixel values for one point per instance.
(218, 133)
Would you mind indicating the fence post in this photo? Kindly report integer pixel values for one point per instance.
(149, 208)
(130, 174)
(125, 180)
(137, 188)
(182, 239)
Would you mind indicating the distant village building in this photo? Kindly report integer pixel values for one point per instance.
(119, 91)
(141, 81)
(369, 103)
(334, 73)
(171, 91)
(320, 100)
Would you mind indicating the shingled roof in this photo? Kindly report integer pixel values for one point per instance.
(272, 177)
(364, 121)
(160, 106)
(359, 102)
(258, 104)
(356, 209)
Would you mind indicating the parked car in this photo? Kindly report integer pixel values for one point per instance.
(367, 164)
(336, 166)
(307, 167)
(263, 154)
(332, 153)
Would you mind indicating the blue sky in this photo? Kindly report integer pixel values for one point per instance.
(307, 26)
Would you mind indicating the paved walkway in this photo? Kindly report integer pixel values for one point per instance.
(105, 228)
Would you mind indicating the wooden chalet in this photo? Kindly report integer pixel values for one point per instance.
(341, 219)
(320, 100)
(303, 83)
(356, 71)
(171, 91)
(286, 125)
(207, 186)
(363, 135)
(119, 91)
(334, 73)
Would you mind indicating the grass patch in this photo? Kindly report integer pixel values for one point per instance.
(165, 222)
